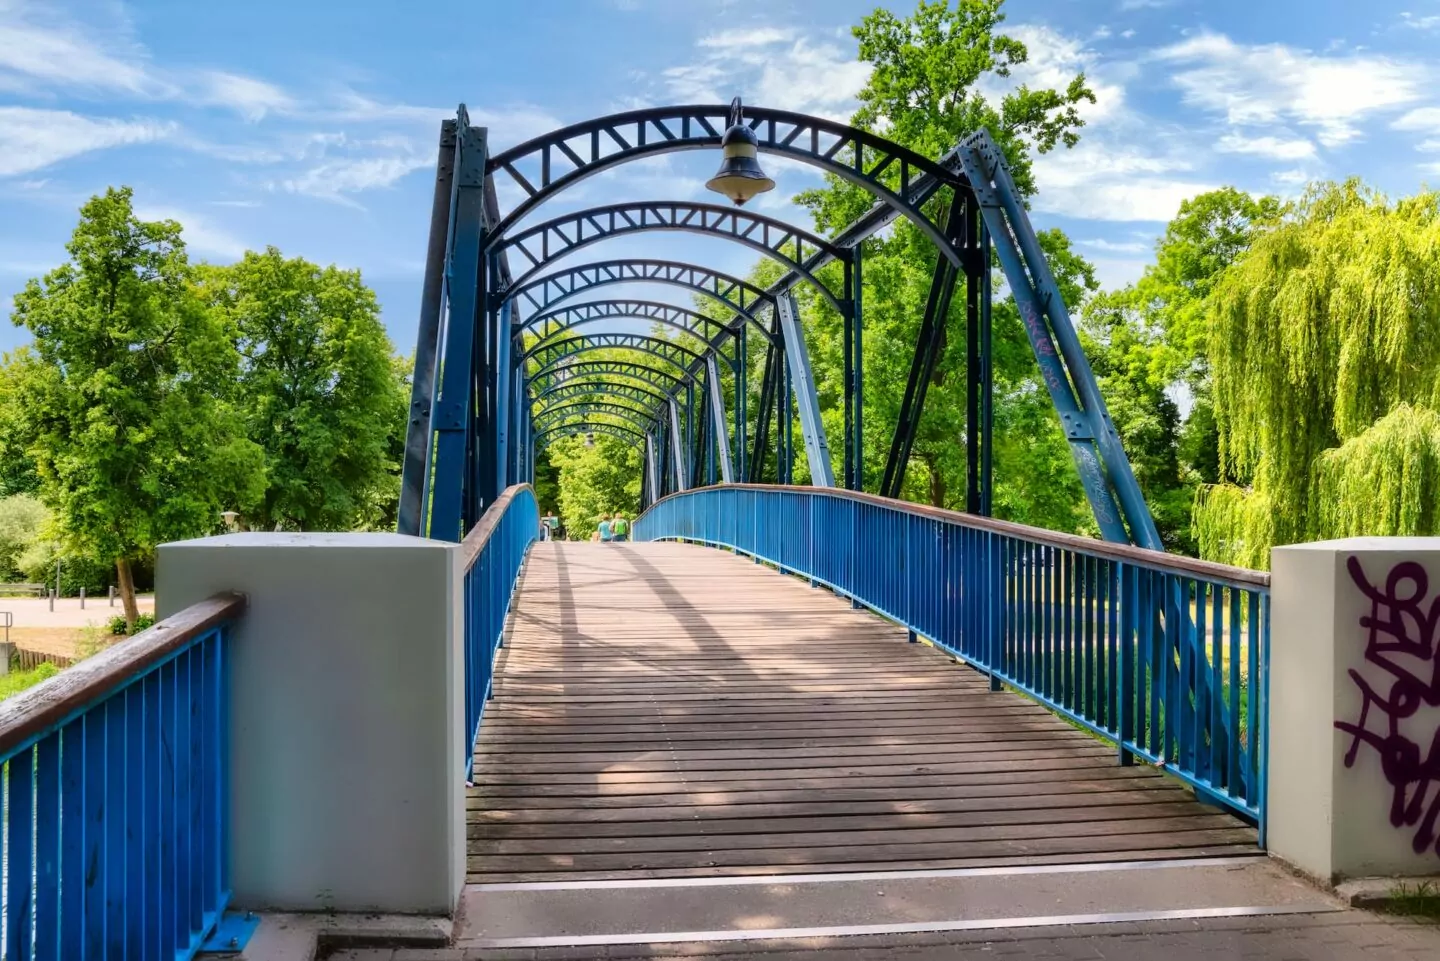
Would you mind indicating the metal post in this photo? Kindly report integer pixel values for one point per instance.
(857, 325)
(847, 377)
(415, 474)
(112, 595)
(975, 373)
(785, 440)
(677, 449)
(717, 414)
(742, 400)
(82, 598)
(987, 387)
(466, 281)
(822, 472)
(502, 369)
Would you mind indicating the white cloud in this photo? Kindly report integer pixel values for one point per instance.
(1116, 247)
(1096, 181)
(32, 139)
(1101, 32)
(202, 237)
(1424, 119)
(766, 66)
(1429, 146)
(1430, 168)
(746, 37)
(1290, 178)
(1271, 83)
(250, 98)
(1127, 34)
(1423, 22)
(38, 47)
(351, 167)
(1275, 148)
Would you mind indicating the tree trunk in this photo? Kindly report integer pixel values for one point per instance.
(127, 593)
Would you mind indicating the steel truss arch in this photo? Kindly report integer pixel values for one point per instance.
(564, 157)
(734, 293)
(637, 419)
(597, 403)
(678, 318)
(546, 356)
(630, 370)
(570, 390)
(552, 240)
(544, 438)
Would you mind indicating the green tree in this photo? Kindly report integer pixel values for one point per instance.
(22, 522)
(132, 430)
(595, 480)
(319, 388)
(17, 466)
(1325, 349)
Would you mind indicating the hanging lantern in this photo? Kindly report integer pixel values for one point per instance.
(740, 176)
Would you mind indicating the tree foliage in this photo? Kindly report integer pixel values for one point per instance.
(1325, 345)
(595, 480)
(318, 388)
(133, 444)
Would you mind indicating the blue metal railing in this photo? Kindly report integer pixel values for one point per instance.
(1165, 656)
(116, 798)
(494, 551)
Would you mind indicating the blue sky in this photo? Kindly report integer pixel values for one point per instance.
(311, 125)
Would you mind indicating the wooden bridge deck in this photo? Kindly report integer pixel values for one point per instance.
(666, 710)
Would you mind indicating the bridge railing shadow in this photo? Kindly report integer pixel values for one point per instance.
(1163, 655)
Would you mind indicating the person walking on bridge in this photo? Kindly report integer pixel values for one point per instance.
(604, 529)
(620, 529)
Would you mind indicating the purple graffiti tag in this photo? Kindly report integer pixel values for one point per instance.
(1044, 346)
(1401, 642)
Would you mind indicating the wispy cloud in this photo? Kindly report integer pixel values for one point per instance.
(1425, 22)
(32, 139)
(1116, 247)
(203, 238)
(1276, 148)
(250, 98)
(770, 65)
(350, 167)
(38, 47)
(1265, 84)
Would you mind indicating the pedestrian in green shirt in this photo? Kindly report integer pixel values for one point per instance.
(620, 528)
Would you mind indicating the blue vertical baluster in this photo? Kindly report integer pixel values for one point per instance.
(47, 847)
(18, 850)
(1218, 689)
(1233, 784)
(1123, 669)
(72, 839)
(91, 875)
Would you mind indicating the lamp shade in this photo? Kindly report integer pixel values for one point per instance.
(740, 176)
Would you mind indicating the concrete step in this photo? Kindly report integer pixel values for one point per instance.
(698, 910)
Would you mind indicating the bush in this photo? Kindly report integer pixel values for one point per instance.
(17, 681)
(117, 623)
(22, 517)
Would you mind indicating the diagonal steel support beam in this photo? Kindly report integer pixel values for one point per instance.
(817, 450)
(717, 419)
(677, 447)
(762, 415)
(652, 475)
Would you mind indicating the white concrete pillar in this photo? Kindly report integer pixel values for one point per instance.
(1354, 786)
(347, 702)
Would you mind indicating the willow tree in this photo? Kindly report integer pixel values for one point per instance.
(1325, 349)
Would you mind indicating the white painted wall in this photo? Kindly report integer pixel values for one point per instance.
(1332, 820)
(347, 789)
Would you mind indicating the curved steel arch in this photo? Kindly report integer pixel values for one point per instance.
(600, 402)
(642, 373)
(546, 356)
(597, 310)
(636, 419)
(736, 294)
(569, 390)
(564, 157)
(543, 438)
(558, 238)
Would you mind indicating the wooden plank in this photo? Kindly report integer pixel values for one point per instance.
(668, 710)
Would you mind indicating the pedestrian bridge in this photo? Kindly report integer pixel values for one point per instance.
(669, 710)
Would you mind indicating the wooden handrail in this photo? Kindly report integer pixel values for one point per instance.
(479, 535)
(1073, 542)
(34, 712)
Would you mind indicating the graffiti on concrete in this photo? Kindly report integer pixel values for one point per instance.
(1399, 682)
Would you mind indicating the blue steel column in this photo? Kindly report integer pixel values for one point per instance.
(785, 430)
(465, 280)
(857, 321)
(502, 336)
(652, 476)
(415, 473)
(677, 447)
(717, 415)
(822, 472)
(742, 400)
